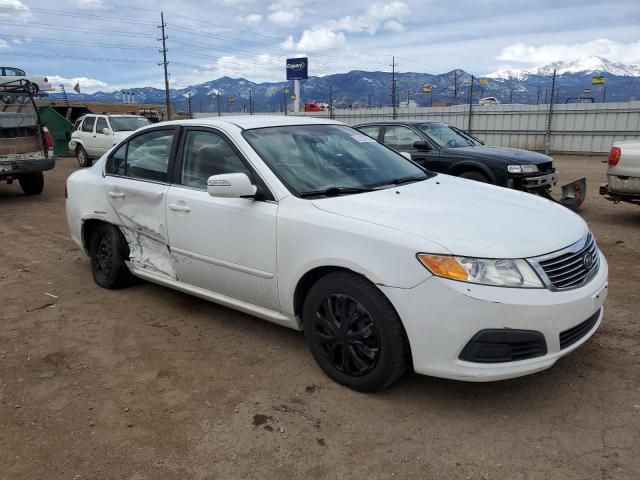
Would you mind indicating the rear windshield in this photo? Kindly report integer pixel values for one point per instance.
(127, 124)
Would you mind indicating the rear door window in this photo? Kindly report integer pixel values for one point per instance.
(371, 130)
(148, 155)
(87, 125)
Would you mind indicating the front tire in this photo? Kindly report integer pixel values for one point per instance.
(108, 251)
(83, 157)
(475, 175)
(32, 183)
(354, 333)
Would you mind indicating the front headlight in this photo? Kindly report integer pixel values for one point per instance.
(484, 271)
(522, 168)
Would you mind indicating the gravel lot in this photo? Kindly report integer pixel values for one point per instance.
(148, 383)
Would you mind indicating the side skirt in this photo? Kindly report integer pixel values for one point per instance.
(249, 308)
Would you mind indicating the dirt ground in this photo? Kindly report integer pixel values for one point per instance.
(148, 383)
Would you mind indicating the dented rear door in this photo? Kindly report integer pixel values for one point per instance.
(136, 185)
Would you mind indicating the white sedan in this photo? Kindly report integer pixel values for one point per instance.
(38, 82)
(312, 225)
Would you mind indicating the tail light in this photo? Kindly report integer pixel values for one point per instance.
(48, 140)
(614, 156)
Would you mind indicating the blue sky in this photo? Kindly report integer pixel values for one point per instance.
(111, 45)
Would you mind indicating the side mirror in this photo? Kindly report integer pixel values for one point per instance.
(406, 155)
(231, 185)
(421, 145)
(106, 131)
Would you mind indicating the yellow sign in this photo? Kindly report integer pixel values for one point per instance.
(597, 81)
(293, 97)
(426, 89)
(484, 81)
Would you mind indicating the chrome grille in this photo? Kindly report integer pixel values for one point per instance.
(572, 266)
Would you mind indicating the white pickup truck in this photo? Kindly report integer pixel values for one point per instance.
(623, 174)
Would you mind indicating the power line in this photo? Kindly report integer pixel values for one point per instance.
(45, 11)
(94, 31)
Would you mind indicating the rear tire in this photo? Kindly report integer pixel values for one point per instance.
(108, 251)
(475, 175)
(83, 157)
(32, 183)
(354, 333)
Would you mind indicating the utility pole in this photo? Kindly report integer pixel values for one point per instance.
(538, 97)
(545, 96)
(393, 87)
(455, 86)
(547, 142)
(604, 93)
(511, 95)
(470, 103)
(285, 90)
(189, 105)
(250, 104)
(218, 98)
(165, 64)
(330, 102)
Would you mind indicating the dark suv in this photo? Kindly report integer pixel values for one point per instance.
(445, 149)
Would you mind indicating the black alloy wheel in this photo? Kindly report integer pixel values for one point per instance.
(347, 335)
(354, 333)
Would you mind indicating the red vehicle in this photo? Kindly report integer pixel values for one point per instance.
(313, 107)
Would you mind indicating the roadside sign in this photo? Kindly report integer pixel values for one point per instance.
(484, 81)
(293, 97)
(597, 80)
(297, 68)
(426, 89)
(586, 90)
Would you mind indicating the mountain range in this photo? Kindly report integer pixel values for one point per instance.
(360, 88)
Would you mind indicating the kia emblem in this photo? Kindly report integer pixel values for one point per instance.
(587, 261)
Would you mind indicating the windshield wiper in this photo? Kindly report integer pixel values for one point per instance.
(335, 191)
(403, 180)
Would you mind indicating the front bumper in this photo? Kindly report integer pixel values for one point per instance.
(441, 317)
(521, 182)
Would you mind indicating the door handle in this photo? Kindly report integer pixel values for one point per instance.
(179, 208)
(117, 195)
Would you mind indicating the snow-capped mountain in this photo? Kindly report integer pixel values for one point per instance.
(584, 65)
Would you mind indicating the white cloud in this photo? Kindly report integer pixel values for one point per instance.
(3, 44)
(316, 39)
(284, 18)
(87, 85)
(553, 52)
(14, 9)
(252, 19)
(261, 67)
(238, 3)
(89, 4)
(286, 13)
(389, 16)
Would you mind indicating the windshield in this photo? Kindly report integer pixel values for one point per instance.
(330, 159)
(445, 136)
(127, 124)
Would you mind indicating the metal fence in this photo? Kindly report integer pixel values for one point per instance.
(586, 128)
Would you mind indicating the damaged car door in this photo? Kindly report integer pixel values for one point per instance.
(224, 245)
(136, 184)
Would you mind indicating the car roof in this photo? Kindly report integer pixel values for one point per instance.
(397, 122)
(246, 122)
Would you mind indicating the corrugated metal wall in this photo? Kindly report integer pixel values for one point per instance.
(575, 128)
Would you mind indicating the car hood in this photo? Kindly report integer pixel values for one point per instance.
(466, 217)
(509, 155)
